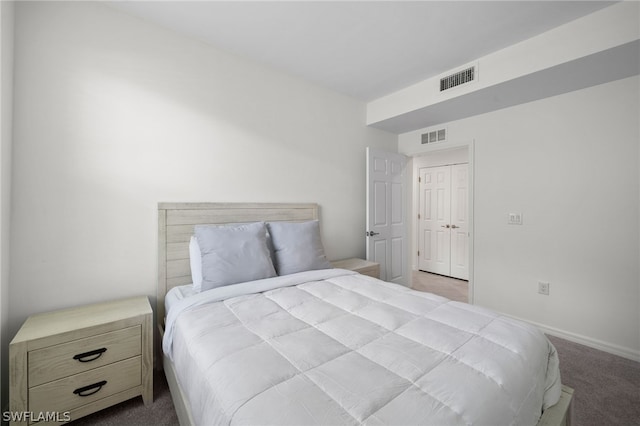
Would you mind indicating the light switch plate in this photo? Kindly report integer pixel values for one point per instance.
(515, 219)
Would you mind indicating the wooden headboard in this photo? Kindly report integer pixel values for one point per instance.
(175, 227)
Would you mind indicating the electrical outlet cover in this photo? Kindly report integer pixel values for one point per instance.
(543, 288)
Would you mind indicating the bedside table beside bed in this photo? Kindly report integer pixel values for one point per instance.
(70, 363)
(361, 266)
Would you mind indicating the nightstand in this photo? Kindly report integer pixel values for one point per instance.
(70, 363)
(364, 267)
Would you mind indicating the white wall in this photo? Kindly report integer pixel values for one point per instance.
(6, 89)
(114, 115)
(570, 165)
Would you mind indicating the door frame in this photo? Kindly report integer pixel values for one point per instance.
(415, 201)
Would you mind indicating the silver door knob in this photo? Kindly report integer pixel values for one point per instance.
(454, 226)
(372, 233)
(445, 226)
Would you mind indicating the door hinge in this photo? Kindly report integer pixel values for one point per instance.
(419, 179)
(418, 253)
(418, 215)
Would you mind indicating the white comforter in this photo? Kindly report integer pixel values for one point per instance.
(333, 347)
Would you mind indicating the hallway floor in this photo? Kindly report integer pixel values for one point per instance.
(448, 287)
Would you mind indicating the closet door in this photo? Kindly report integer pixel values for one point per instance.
(443, 221)
(434, 220)
(460, 221)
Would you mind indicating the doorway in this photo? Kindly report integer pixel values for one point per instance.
(457, 154)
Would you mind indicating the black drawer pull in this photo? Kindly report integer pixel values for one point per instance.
(84, 391)
(95, 354)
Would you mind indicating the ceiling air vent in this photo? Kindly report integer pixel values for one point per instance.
(465, 76)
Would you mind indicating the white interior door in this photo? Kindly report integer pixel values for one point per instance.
(443, 224)
(386, 235)
(460, 221)
(433, 218)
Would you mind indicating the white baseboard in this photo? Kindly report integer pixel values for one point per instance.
(586, 341)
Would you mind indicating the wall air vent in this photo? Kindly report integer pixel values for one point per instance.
(439, 135)
(465, 76)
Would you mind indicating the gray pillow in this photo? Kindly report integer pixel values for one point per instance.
(297, 247)
(233, 254)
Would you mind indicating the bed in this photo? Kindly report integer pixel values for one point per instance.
(330, 346)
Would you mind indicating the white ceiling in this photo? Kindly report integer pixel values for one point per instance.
(363, 49)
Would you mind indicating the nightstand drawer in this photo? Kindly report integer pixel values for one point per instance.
(56, 362)
(80, 389)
